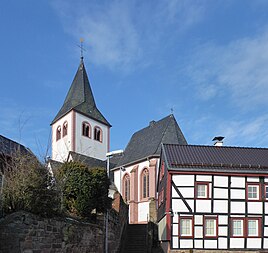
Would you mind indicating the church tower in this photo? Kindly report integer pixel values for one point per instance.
(79, 126)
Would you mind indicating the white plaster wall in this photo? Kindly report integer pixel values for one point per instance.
(237, 182)
(179, 206)
(203, 178)
(266, 179)
(143, 209)
(237, 207)
(254, 243)
(253, 179)
(184, 244)
(266, 207)
(186, 192)
(265, 231)
(175, 242)
(221, 181)
(266, 243)
(223, 219)
(266, 220)
(198, 232)
(175, 229)
(222, 243)
(223, 231)
(220, 206)
(237, 243)
(89, 146)
(183, 180)
(198, 220)
(203, 206)
(220, 193)
(61, 148)
(255, 207)
(117, 180)
(210, 244)
(198, 244)
(237, 194)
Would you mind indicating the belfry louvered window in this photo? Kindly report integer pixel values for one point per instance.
(86, 129)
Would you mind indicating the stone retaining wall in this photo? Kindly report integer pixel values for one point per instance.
(29, 233)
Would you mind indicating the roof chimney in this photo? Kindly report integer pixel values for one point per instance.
(152, 123)
(218, 141)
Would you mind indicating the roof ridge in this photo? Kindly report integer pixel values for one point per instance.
(156, 122)
(164, 132)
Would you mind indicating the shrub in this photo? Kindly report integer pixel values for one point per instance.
(28, 186)
(83, 189)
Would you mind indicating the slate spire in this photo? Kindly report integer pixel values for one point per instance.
(80, 98)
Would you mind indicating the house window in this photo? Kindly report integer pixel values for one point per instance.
(186, 227)
(65, 129)
(86, 129)
(161, 197)
(266, 192)
(58, 133)
(98, 134)
(202, 190)
(253, 192)
(145, 183)
(210, 227)
(253, 227)
(126, 187)
(237, 227)
(162, 171)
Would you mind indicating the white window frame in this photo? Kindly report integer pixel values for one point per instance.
(242, 221)
(257, 222)
(205, 191)
(257, 191)
(189, 226)
(214, 228)
(266, 192)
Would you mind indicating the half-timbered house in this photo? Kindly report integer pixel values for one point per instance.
(212, 197)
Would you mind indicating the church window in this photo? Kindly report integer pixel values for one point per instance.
(86, 129)
(65, 129)
(126, 187)
(58, 133)
(145, 183)
(98, 134)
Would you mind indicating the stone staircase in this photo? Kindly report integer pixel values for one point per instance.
(136, 239)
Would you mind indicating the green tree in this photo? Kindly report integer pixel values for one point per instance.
(83, 189)
(28, 186)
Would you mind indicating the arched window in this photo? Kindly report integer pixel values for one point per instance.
(145, 183)
(126, 187)
(58, 133)
(65, 129)
(97, 134)
(86, 129)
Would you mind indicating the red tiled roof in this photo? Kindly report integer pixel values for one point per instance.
(214, 157)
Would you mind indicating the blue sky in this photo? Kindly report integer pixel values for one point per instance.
(208, 60)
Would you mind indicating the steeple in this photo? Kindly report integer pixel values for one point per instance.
(80, 98)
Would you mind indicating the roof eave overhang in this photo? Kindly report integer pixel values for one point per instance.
(73, 109)
(136, 161)
(219, 170)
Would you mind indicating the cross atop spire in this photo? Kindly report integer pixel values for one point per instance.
(81, 48)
